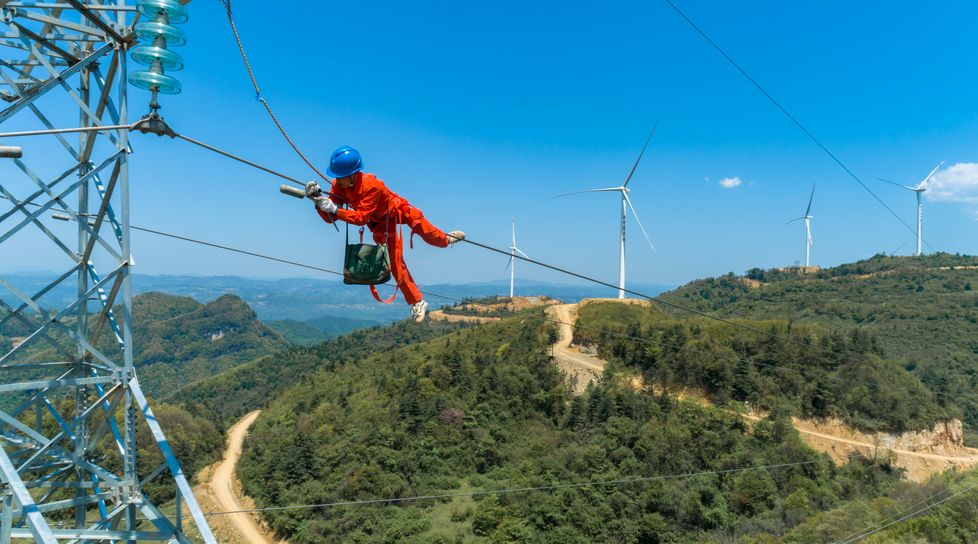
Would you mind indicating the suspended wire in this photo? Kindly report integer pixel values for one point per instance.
(553, 487)
(501, 491)
(865, 535)
(646, 340)
(554, 321)
(787, 114)
(260, 98)
(862, 532)
(240, 159)
(655, 299)
(548, 319)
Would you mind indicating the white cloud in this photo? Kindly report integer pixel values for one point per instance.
(730, 183)
(956, 183)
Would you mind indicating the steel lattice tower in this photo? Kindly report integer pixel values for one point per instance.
(70, 401)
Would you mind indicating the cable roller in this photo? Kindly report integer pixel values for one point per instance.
(292, 191)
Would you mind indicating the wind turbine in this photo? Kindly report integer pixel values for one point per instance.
(808, 228)
(513, 250)
(626, 203)
(919, 189)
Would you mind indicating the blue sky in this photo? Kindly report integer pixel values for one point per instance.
(479, 112)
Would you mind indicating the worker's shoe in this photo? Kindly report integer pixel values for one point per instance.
(455, 236)
(419, 311)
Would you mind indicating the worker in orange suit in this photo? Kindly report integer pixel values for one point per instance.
(371, 203)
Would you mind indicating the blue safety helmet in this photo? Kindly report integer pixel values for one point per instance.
(345, 161)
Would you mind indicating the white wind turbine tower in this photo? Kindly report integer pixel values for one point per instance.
(808, 228)
(513, 250)
(919, 189)
(626, 203)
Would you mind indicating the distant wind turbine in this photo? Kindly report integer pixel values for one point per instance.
(919, 189)
(626, 203)
(513, 250)
(808, 228)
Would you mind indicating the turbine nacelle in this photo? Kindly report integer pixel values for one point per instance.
(626, 204)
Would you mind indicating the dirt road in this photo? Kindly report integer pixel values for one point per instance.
(222, 485)
(840, 443)
(580, 368)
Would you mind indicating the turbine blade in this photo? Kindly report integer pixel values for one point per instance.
(520, 251)
(514, 231)
(793, 220)
(810, 198)
(897, 184)
(635, 166)
(639, 221)
(922, 183)
(590, 191)
(510, 263)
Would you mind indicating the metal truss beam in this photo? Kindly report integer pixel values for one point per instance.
(71, 376)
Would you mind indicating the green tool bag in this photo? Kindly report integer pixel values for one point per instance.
(365, 264)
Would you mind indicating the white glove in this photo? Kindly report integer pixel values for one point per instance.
(326, 205)
(313, 190)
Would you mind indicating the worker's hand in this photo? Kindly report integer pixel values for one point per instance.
(313, 190)
(326, 205)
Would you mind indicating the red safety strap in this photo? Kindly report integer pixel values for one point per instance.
(373, 291)
(373, 288)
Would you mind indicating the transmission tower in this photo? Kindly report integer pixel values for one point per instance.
(70, 401)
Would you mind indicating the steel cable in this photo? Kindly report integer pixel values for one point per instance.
(260, 98)
(863, 535)
(787, 114)
(553, 487)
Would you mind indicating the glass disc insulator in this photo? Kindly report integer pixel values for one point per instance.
(148, 54)
(149, 31)
(150, 81)
(175, 12)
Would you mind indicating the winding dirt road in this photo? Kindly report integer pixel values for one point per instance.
(222, 485)
(582, 368)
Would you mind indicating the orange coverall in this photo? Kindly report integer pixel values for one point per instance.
(381, 210)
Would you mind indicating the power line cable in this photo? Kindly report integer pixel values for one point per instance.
(240, 159)
(553, 487)
(908, 516)
(428, 292)
(651, 298)
(787, 114)
(852, 536)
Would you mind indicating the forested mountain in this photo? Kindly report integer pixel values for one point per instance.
(178, 340)
(484, 408)
(225, 397)
(922, 311)
(805, 370)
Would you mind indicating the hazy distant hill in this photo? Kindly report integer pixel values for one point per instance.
(923, 310)
(178, 340)
(317, 330)
(303, 299)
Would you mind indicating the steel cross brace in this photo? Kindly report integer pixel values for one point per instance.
(51, 48)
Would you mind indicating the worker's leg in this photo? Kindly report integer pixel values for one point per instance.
(398, 269)
(413, 217)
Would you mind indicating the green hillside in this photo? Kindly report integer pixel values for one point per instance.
(922, 310)
(808, 370)
(225, 397)
(179, 341)
(484, 408)
(317, 330)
